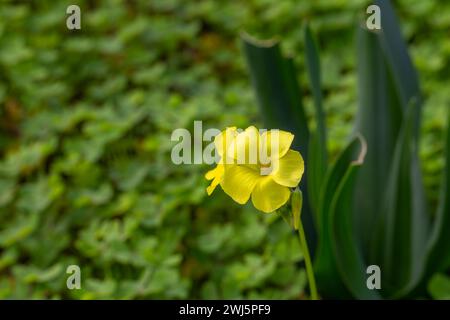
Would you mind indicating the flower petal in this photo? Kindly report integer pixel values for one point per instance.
(275, 143)
(224, 139)
(245, 147)
(268, 196)
(238, 182)
(216, 176)
(211, 174)
(210, 189)
(289, 169)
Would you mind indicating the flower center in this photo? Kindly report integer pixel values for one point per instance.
(265, 169)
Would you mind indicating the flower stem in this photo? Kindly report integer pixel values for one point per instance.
(308, 264)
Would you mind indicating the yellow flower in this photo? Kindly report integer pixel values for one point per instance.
(258, 165)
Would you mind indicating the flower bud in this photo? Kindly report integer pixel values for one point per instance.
(296, 206)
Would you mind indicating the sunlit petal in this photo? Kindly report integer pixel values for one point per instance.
(216, 176)
(275, 143)
(224, 139)
(238, 182)
(268, 196)
(245, 147)
(289, 169)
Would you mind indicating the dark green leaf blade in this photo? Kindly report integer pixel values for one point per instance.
(439, 246)
(406, 221)
(314, 73)
(396, 54)
(317, 146)
(379, 113)
(349, 258)
(325, 267)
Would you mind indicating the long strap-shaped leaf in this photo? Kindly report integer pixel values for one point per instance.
(378, 120)
(317, 158)
(325, 266)
(439, 245)
(314, 73)
(348, 254)
(405, 224)
(400, 63)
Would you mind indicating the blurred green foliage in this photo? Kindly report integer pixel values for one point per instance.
(85, 124)
(439, 287)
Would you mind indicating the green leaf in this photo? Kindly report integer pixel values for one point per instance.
(36, 196)
(314, 73)
(325, 266)
(439, 245)
(349, 258)
(7, 190)
(317, 160)
(398, 59)
(390, 94)
(377, 119)
(406, 223)
(32, 274)
(27, 158)
(396, 54)
(19, 228)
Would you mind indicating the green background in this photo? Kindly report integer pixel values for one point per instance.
(85, 123)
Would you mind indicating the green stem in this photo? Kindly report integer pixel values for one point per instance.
(308, 264)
